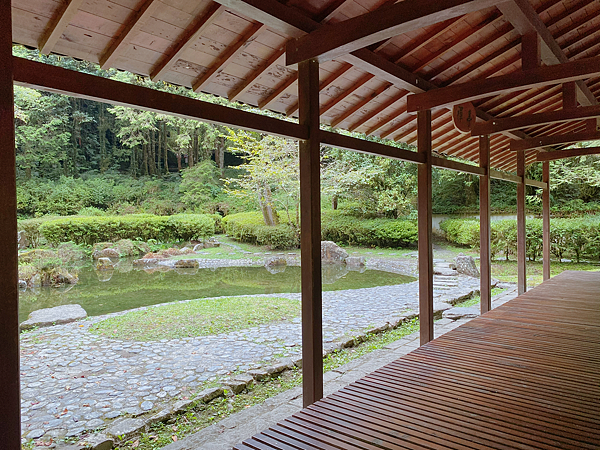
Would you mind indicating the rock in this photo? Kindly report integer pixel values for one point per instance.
(147, 262)
(461, 312)
(198, 247)
(37, 255)
(186, 251)
(186, 264)
(445, 271)
(35, 281)
(182, 405)
(233, 386)
(54, 316)
(109, 253)
(275, 261)
(36, 434)
(105, 274)
(466, 264)
(355, 261)
(212, 242)
(98, 441)
(125, 428)
(331, 253)
(147, 405)
(104, 263)
(210, 394)
(22, 241)
(22, 285)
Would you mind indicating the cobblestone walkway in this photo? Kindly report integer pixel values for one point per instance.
(73, 381)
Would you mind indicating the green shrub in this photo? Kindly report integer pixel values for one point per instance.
(575, 238)
(90, 230)
(250, 227)
(31, 227)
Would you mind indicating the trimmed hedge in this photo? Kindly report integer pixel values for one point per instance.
(250, 227)
(572, 238)
(93, 229)
(335, 226)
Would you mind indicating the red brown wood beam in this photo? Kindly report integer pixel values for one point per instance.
(133, 27)
(457, 166)
(356, 86)
(368, 116)
(577, 38)
(406, 122)
(545, 141)
(278, 92)
(225, 59)
(568, 153)
(189, 37)
(518, 102)
(577, 24)
(384, 123)
(424, 225)
(58, 25)
(422, 41)
(525, 19)
(481, 88)
(263, 69)
(383, 23)
(514, 123)
(310, 242)
(521, 231)
(485, 254)
(546, 244)
(362, 104)
(10, 386)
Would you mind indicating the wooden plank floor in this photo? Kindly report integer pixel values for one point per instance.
(525, 375)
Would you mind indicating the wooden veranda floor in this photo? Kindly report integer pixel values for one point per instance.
(525, 375)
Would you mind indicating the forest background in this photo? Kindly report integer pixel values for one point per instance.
(76, 156)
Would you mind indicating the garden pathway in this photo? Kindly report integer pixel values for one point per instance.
(73, 380)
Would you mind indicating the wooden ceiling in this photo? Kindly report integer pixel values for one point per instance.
(236, 49)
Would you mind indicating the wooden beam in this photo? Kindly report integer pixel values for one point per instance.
(485, 254)
(279, 90)
(456, 166)
(569, 95)
(545, 141)
(10, 387)
(368, 116)
(526, 79)
(525, 20)
(77, 84)
(499, 175)
(133, 27)
(546, 221)
(362, 104)
(373, 148)
(263, 69)
(530, 120)
(58, 25)
(568, 153)
(310, 242)
(225, 59)
(358, 32)
(521, 230)
(425, 224)
(190, 36)
(531, 55)
(356, 86)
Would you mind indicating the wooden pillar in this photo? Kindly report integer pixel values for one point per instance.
(485, 258)
(425, 243)
(521, 230)
(546, 219)
(310, 243)
(10, 402)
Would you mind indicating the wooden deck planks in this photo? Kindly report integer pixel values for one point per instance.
(525, 375)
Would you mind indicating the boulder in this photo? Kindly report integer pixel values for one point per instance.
(210, 243)
(22, 285)
(461, 312)
(22, 240)
(466, 264)
(104, 264)
(54, 316)
(331, 253)
(186, 264)
(275, 261)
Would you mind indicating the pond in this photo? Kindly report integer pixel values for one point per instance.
(127, 288)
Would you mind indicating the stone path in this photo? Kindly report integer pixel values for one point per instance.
(74, 381)
(243, 425)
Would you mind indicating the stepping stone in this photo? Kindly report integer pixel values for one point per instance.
(54, 316)
(460, 312)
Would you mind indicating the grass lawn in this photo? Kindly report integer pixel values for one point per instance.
(201, 317)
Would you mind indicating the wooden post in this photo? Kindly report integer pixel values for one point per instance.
(485, 259)
(521, 230)
(425, 244)
(310, 243)
(10, 401)
(546, 219)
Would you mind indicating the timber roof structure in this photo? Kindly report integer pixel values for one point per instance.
(237, 49)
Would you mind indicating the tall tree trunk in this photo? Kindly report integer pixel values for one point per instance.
(159, 148)
(164, 127)
(152, 152)
(145, 161)
(268, 209)
(179, 162)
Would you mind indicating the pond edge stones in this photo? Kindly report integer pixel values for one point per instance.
(54, 316)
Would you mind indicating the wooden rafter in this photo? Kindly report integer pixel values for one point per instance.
(545, 141)
(383, 23)
(362, 104)
(229, 55)
(262, 70)
(568, 153)
(133, 27)
(525, 20)
(481, 88)
(514, 123)
(190, 36)
(266, 103)
(331, 10)
(58, 25)
(425, 40)
(356, 86)
(375, 112)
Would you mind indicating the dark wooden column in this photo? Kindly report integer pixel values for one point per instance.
(425, 244)
(485, 259)
(310, 243)
(10, 402)
(546, 219)
(521, 231)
